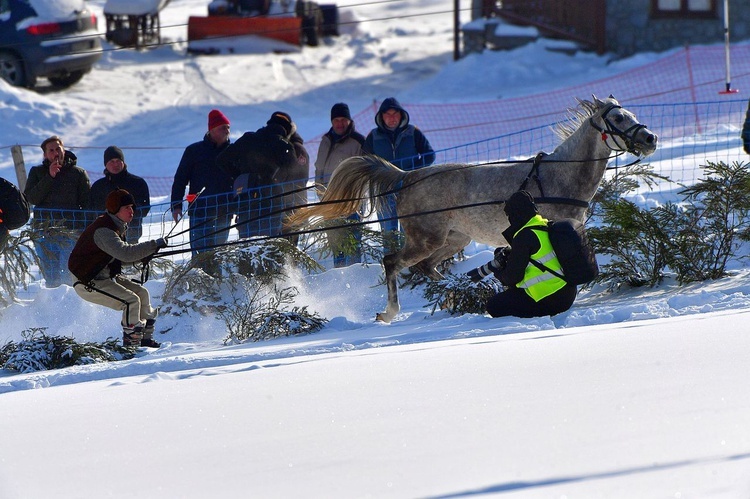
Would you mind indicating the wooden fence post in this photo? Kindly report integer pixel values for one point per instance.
(17, 153)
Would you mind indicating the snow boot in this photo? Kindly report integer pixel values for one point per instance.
(132, 336)
(148, 335)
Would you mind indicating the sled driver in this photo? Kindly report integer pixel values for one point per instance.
(531, 291)
(96, 261)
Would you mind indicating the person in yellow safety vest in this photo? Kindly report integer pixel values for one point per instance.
(531, 291)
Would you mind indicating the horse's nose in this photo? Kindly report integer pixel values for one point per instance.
(651, 138)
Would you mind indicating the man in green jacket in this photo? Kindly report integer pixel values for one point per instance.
(59, 190)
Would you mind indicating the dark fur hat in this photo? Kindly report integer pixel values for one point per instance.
(284, 120)
(117, 199)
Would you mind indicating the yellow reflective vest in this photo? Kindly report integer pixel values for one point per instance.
(536, 282)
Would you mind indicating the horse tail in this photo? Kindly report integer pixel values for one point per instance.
(354, 180)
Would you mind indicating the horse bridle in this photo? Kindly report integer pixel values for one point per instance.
(610, 130)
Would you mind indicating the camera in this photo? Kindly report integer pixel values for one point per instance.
(492, 267)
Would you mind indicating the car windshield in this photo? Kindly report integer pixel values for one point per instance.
(57, 9)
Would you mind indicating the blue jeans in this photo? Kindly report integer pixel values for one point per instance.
(53, 249)
(341, 236)
(392, 237)
(207, 232)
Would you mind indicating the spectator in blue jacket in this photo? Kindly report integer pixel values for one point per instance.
(404, 145)
(210, 216)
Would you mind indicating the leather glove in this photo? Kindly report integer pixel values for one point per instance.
(161, 243)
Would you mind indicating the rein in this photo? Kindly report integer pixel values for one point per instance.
(623, 139)
(534, 175)
(610, 130)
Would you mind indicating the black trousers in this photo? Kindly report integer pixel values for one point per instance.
(515, 302)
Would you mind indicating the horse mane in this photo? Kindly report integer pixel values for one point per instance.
(576, 117)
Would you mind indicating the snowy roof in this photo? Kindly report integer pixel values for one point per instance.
(134, 7)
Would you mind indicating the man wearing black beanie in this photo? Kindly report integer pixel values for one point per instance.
(117, 176)
(341, 141)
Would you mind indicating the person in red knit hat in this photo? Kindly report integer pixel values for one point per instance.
(210, 214)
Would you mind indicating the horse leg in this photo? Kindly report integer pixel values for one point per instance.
(409, 255)
(454, 243)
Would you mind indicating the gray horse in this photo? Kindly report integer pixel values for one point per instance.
(443, 208)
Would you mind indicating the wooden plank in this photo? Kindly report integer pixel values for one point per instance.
(17, 154)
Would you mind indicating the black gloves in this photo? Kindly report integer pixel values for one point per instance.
(495, 266)
(161, 243)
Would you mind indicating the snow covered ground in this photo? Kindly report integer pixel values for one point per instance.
(641, 393)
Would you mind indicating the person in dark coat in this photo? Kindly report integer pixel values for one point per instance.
(746, 130)
(531, 291)
(117, 176)
(255, 163)
(210, 214)
(294, 181)
(396, 140)
(14, 210)
(59, 190)
(341, 141)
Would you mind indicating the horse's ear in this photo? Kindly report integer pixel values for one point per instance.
(597, 101)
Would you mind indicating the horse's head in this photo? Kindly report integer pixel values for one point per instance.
(620, 129)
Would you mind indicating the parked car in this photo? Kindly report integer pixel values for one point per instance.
(56, 39)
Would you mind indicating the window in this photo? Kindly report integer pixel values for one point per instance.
(684, 8)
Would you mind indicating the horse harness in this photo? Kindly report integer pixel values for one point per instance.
(534, 175)
(609, 129)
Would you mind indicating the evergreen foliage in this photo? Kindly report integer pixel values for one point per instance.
(707, 234)
(256, 307)
(189, 288)
(259, 313)
(634, 240)
(458, 295)
(630, 236)
(39, 352)
(17, 256)
(369, 246)
(695, 239)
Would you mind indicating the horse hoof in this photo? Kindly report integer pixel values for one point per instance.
(380, 317)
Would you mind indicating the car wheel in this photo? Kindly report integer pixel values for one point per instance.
(66, 80)
(12, 70)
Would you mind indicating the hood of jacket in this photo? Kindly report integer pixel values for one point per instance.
(391, 103)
